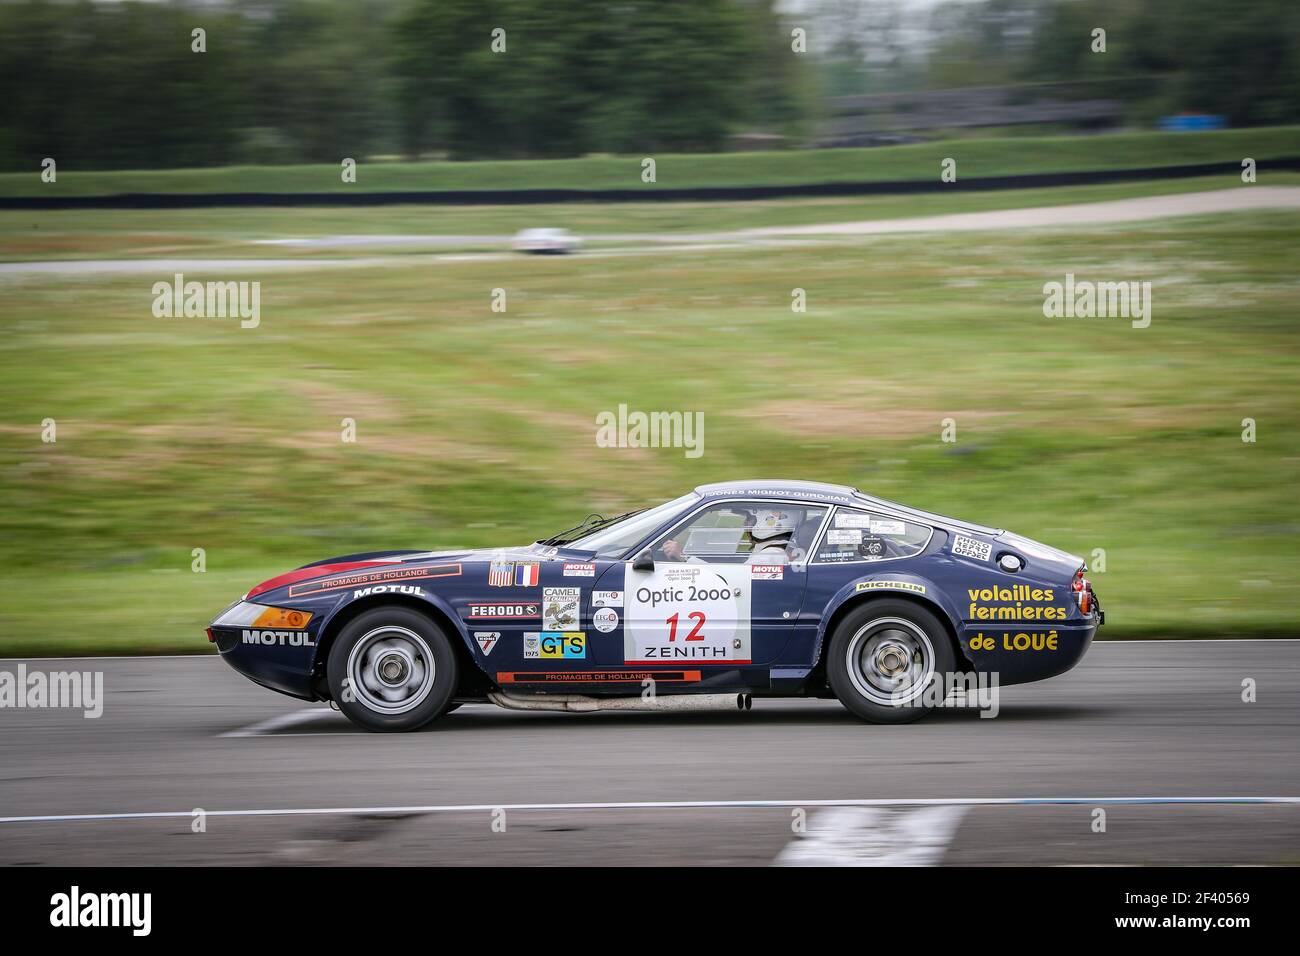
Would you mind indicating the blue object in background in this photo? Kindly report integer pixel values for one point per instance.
(1188, 122)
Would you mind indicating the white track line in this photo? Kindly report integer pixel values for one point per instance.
(669, 805)
(274, 726)
(328, 733)
(874, 836)
(280, 721)
(1201, 640)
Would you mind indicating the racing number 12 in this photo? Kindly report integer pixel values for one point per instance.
(695, 635)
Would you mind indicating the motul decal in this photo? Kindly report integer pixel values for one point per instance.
(281, 638)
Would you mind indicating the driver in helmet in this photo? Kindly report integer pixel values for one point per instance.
(767, 537)
(772, 533)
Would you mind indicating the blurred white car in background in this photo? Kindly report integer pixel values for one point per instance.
(543, 241)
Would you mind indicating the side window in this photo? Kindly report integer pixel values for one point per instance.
(744, 533)
(856, 535)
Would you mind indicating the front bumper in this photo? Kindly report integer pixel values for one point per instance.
(279, 660)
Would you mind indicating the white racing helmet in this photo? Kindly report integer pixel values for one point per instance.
(771, 522)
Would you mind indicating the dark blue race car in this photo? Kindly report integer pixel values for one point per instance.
(750, 588)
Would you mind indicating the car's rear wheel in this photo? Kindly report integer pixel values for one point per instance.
(889, 661)
(392, 669)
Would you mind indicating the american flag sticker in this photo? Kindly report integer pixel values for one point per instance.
(526, 573)
(501, 574)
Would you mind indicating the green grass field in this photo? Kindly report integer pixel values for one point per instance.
(975, 158)
(478, 428)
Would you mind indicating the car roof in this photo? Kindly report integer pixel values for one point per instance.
(824, 492)
(782, 487)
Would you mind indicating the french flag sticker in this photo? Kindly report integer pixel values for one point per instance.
(526, 574)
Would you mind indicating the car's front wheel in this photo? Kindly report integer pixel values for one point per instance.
(889, 661)
(392, 669)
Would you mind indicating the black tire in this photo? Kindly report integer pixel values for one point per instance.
(869, 641)
(399, 644)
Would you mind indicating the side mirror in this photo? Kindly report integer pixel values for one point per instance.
(644, 562)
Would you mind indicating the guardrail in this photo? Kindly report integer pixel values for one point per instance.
(650, 193)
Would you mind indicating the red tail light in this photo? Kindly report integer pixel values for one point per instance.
(1082, 588)
(212, 638)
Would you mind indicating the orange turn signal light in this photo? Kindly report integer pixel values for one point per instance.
(283, 617)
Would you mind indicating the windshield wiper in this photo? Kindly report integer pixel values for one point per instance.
(586, 526)
(560, 536)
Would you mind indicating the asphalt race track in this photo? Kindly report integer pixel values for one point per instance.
(1155, 720)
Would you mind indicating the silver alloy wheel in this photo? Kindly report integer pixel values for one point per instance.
(890, 661)
(391, 669)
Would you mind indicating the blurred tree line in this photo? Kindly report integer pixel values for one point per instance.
(1237, 58)
(107, 85)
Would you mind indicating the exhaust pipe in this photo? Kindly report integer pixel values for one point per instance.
(579, 704)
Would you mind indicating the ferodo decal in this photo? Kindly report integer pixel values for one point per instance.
(503, 612)
(1014, 604)
(598, 677)
(551, 645)
(389, 589)
(889, 586)
(560, 608)
(965, 547)
(687, 612)
(1016, 642)
(279, 638)
(486, 640)
(375, 577)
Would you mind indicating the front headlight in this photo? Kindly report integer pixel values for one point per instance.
(248, 614)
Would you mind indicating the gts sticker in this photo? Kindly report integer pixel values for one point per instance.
(551, 645)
